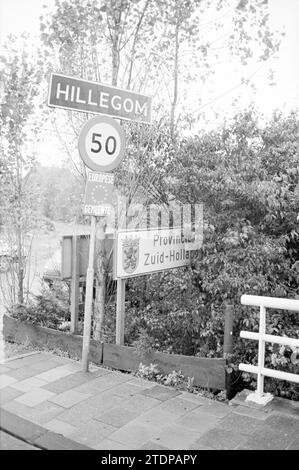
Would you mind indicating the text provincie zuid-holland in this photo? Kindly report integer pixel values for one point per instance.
(82, 95)
(172, 248)
(145, 251)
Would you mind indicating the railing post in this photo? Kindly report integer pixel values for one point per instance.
(259, 396)
(261, 352)
(260, 370)
(228, 345)
(228, 329)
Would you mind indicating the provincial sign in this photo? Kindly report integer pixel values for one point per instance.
(98, 194)
(92, 97)
(147, 251)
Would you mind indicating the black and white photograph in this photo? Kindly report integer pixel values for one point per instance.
(149, 228)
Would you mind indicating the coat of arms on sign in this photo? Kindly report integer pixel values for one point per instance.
(130, 254)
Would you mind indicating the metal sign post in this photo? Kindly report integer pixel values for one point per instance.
(88, 297)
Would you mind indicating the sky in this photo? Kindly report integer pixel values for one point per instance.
(17, 16)
(285, 14)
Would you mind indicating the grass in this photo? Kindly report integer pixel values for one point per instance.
(9, 350)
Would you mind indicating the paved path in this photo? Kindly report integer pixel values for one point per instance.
(8, 442)
(109, 410)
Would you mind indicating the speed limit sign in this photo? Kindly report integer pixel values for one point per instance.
(102, 143)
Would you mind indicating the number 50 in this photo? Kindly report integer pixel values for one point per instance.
(110, 144)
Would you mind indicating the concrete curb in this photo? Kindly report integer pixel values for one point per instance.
(20, 356)
(277, 405)
(36, 435)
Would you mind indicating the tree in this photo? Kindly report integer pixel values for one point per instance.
(184, 39)
(179, 24)
(78, 30)
(60, 193)
(86, 36)
(158, 47)
(245, 176)
(20, 81)
(132, 43)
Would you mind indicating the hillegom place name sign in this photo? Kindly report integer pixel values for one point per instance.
(148, 251)
(92, 97)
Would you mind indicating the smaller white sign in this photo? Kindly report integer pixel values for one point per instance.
(147, 251)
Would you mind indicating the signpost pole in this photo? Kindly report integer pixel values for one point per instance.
(75, 289)
(120, 311)
(88, 297)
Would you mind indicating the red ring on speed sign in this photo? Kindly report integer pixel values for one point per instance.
(102, 143)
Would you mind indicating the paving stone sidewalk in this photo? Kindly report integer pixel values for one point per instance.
(8, 442)
(110, 410)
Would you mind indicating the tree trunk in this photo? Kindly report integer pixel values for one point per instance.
(20, 263)
(175, 79)
(99, 304)
(115, 62)
(115, 33)
(20, 272)
(133, 51)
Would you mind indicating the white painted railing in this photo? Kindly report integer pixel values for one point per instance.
(260, 370)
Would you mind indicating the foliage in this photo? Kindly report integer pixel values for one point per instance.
(173, 379)
(177, 380)
(49, 309)
(148, 45)
(250, 213)
(145, 343)
(148, 372)
(20, 80)
(60, 193)
(166, 310)
(246, 176)
(144, 45)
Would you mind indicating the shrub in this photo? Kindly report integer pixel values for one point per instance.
(49, 309)
(173, 379)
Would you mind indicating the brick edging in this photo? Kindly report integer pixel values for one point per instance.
(36, 435)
